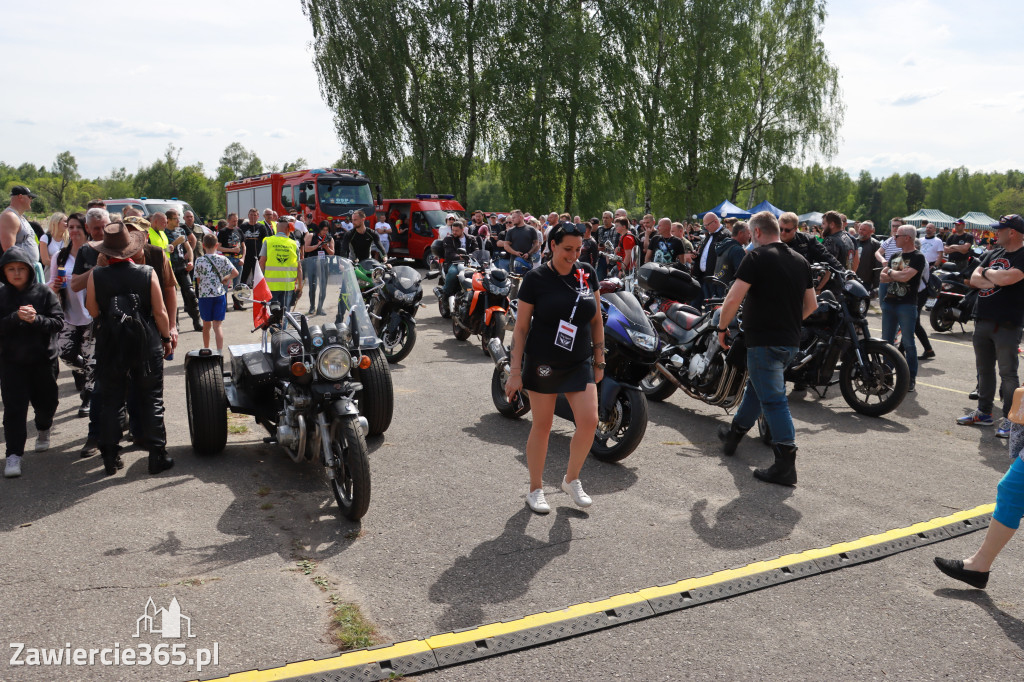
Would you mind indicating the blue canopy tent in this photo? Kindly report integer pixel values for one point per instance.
(727, 209)
(766, 206)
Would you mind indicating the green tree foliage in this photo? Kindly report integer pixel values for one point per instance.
(892, 197)
(1006, 202)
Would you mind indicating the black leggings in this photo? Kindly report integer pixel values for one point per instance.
(922, 335)
(21, 385)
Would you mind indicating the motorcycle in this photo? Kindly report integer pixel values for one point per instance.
(392, 301)
(956, 299)
(481, 304)
(631, 348)
(318, 391)
(873, 375)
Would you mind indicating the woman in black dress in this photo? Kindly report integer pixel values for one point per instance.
(559, 327)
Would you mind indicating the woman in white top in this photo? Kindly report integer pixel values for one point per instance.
(75, 344)
(56, 235)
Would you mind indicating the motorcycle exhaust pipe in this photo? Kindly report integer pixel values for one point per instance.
(668, 375)
(497, 351)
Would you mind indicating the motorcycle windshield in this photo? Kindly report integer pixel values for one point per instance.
(350, 302)
(406, 278)
(627, 304)
(480, 256)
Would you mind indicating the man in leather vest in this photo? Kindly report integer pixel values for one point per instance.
(140, 378)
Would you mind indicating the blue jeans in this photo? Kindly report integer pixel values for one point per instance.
(451, 282)
(902, 316)
(283, 297)
(766, 392)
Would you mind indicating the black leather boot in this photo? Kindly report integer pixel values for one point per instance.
(783, 471)
(730, 436)
(159, 461)
(111, 461)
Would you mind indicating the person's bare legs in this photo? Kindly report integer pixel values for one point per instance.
(218, 333)
(584, 410)
(542, 405)
(996, 538)
(206, 333)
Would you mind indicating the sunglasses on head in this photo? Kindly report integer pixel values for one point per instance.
(572, 228)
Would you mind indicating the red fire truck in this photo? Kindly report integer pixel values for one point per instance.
(319, 194)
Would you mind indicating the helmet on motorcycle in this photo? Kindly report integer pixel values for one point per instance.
(437, 248)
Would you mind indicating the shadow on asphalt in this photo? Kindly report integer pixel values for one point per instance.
(1012, 627)
(499, 570)
(993, 452)
(599, 478)
(759, 514)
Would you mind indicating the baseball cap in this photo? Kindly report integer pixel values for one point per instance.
(22, 190)
(1014, 222)
(960, 221)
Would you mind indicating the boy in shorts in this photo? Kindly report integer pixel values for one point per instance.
(212, 272)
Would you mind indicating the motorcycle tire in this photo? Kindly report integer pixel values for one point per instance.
(892, 372)
(495, 331)
(351, 480)
(408, 340)
(941, 318)
(445, 314)
(656, 387)
(206, 404)
(460, 333)
(501, 403)
(377, 397)
(628, 424)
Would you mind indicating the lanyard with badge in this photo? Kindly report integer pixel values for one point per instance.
(565, 336)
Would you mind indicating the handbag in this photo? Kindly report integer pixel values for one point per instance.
(1017, 407)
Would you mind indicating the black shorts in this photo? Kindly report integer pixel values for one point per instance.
(544, 378)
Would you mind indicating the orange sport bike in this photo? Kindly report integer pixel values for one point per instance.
(481, 304)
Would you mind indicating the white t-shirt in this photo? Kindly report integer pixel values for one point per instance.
(75, 313)
(384, 230)
(52, 248)
(300, 227)
(931, 248)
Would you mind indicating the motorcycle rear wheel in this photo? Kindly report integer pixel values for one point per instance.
(888, 379)
(617, 438)
(377, 398)
(206, 404)
(351, 481)
(941, 318)
(496, 330)
(501, 403)
(656, 387)
(406, 340)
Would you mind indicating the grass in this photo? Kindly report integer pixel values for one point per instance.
(267, 505)
(321, 582)
(350, 628)
(307, 566)
(263, 490)
(237, 423)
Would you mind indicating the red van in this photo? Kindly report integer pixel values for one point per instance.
(416, 223)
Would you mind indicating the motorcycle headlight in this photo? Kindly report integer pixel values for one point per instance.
(498, 289)
(862, 307)
(405, 297)
(645, 341)
(334, 363)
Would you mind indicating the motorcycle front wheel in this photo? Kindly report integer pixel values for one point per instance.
(656, 387)
(404, 338)
(501, 403)
(941, 317)
(617, 438)
(880, 385)
(350, 482)
(460, 332)
(377, 397)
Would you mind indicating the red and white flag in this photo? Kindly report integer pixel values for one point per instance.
(260, 292)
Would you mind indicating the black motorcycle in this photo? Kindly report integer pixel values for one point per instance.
(631, 348)
(393, 301)
(317, 390)
(956, 299)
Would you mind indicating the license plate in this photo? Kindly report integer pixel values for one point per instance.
(930, 303)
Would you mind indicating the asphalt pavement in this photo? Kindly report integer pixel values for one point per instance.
(252, 548)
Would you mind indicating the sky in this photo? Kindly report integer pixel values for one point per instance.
(927, 84)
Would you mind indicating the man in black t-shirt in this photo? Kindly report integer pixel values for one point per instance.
(902, 275)
(731, 252)
(958, 245)
(837, 242)
(776, 283)
(866, 246)
(664, 248)
(589, 251)
(253, 234)
(998, 323)
(359, 243)
(231, 245)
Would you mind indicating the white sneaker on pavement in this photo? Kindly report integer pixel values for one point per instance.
(13, 466)
(535, 500)
(43, 441)
(574, 489)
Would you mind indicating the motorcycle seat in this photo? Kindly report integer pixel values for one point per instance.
(683, 315)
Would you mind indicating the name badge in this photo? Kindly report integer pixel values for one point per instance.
(321, 255)
(566, 335)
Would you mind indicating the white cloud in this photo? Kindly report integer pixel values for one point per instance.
(210, 132)
(279, 133)
(24, 122)
(912, 98)
(241, 132)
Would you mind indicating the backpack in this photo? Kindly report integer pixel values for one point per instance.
(124, 335)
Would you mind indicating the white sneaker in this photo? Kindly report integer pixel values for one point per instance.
(575, 491)
(13, 467)
(535, 500)
(43, 441)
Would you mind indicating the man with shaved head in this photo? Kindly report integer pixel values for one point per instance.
(902, 273)
(704, 265)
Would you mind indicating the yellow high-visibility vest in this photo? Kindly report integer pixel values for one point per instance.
(158, 238)
(282, 263)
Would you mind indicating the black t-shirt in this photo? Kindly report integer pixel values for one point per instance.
(955, 240)
(1003, 304)
(905, 292)
(229, 237)
(666, 250)
(85, 260)
(359, 244)
(867, 265)
(773, 310)
(253, 235)
(553, 297)
(589, 251)
(521, 239)
(840, 245)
